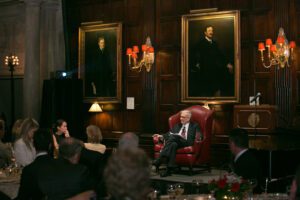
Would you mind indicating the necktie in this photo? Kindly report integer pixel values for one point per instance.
(183, 132)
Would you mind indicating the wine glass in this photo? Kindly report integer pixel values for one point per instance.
(196, 185)
(253, 184)
(179, 189)
(171, 191)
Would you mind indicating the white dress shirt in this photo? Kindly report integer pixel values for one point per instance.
(186, 129)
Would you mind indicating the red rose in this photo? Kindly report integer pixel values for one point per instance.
(235, 187)
(222, 183)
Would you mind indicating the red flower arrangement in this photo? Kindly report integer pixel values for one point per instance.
(229, 187)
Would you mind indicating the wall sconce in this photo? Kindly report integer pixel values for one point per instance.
(147, 59)
(278, 53)
(95, 107)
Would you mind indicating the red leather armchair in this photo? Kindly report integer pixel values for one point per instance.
(199, 153)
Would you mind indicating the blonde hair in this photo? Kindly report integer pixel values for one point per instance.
(187, 112)
(16, 129)
(27, 125)
(94, 134)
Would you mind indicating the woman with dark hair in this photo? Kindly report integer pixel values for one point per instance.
(60, 131)
(23, 147)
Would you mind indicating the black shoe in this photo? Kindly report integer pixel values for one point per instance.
(156, 163)
(166, 173)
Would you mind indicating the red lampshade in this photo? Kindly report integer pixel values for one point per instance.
(129, 51)
(280, 40)
(144, 47)
(273, 48)
(136, 49)
(292, 44)
(151, 50)
(261, 46)
(269, 42)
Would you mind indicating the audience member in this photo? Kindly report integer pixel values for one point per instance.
(181, 135)
(295, 187)
(94, 138)
(127, 175)
(244, 163)
(16, 129)
(60, 131)
(128, 140)
(5, 153)
(64, 177)
(94, 161)
(29, 188)
(23, 147)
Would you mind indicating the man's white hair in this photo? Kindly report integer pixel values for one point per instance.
(187, 112)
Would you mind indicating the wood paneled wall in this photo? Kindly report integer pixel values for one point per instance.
(157, 93)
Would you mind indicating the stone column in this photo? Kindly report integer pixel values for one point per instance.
(52, 38)
(31, 86)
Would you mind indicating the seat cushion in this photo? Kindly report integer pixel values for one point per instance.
(189, 149)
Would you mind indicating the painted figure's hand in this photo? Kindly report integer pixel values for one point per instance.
(94, 88)
(230, 67)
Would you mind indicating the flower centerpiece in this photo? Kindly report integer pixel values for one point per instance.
(229, 187)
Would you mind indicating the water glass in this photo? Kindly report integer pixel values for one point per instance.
(171, 191)
(196, 184)
(179, 189)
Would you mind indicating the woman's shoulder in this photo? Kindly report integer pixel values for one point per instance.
(95, 147)
(19, 141)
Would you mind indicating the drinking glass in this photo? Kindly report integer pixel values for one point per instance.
(179, 189)
(171, 191)
(196, 183)
(253, 184)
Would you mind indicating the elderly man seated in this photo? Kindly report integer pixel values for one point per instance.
(181, 135)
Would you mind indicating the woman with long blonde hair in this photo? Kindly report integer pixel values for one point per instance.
(23, 147)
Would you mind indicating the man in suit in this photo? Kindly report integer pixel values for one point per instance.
(95, 163)
(64, 177)
(100, 80)
(181, 135)
(210, 70)
(244, 163)
(29, 188)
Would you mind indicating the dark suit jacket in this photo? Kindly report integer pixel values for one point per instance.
(62, 179)
(247, 166)
(94, 161)
(191, 134)
(208, 71)
(29, 188)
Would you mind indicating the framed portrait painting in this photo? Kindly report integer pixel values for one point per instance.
(211, 57)
(100, 61)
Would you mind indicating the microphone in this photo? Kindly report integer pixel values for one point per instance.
(255, 97)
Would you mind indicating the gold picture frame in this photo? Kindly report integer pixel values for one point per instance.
(206, 78)
(100, 61)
